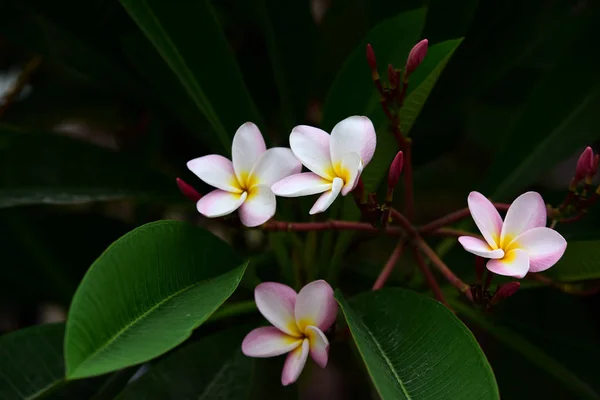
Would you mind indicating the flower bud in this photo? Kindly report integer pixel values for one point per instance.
(585, 164)
(415, 57)
(372, 62)
(593, 169)
(188, 191)
(505, 291)
(395, 170)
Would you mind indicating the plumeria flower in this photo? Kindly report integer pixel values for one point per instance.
(335, 161)
(521, 243)
(246, 182)
(298, 325)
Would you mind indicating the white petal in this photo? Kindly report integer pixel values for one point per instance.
(274, 165)
(219, 203)
(353, 135)
(248, 145)
(479, 247)
(526, 212)
(268, 341)
(217, 171)
(544, 246)
(276, 302)
(316, 306)
(486, 218)
(259, 206)
(350, 170)
(327, 198)
(319, 345)
(311, 146)
(515, 263)
(294, 364)
(303, 184)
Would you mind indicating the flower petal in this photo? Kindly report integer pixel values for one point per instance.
(294, 363)
(259, 206)
(526, 212)
(315, 306)
(248, 145)
(219, 202)
(303, 184)
(544, 246)
(319, 345)
(268, 341)
(353, 135)
(350, 170)
(486, 218)
(327, 198)
(479, 247)
(274, 165)
(276, 302)
(311, 146)
(515, 263)
(217, 171)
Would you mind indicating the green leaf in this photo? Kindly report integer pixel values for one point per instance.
(46, 168)
(212, 368)
(190, 40)
(32, 367)
(527, 350)
(580, 262)
(415, 348)
(146, 294)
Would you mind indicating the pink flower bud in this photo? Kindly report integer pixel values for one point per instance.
(372, 62)
(585, 164)
(505, 291)
(395, 170)
(188, 191)
(416, 56)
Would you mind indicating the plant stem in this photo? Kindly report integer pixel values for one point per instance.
(454, 217)
(404, 223)
(389, 266)
(409, 204)
(329, 225)
(454, 233)
(569, 288)
(443, 268)
(433, 285)
(234, 309)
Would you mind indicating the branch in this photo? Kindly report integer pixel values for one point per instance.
(330, 225)
(454, 233)
(433, 285)
(454, 217)
(569, 288)
(389, 266)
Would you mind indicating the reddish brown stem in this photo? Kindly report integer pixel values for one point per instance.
(454, 217)
(454, 233)
(574, 289)
(574, 218)
(443, 268)
(409, 204)
(433, 285)
(389, 266)
(329, 225)
(404, 223)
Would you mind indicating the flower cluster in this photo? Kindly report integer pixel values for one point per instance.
(255, 175)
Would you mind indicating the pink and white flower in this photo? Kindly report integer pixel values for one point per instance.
(521, 243)
(299, 321)
(335, 161)
(246, 182)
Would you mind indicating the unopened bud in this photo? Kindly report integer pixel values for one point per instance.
(593, 170)
(585, 164)
(415, 57)
(188, 191)
(505, 291)
(395, 170)
(372, 62)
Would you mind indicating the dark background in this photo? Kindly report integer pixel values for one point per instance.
(525, 80)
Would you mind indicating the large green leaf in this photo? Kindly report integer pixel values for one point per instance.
(145, 295)
(527, 349)
(212, 368)
(189, 38)
(32, 367)
(581, 261)
(46, 168)
(415, 348)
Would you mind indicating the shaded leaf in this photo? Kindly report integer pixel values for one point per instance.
(581, 261)
(415, 348)
(146, 294)
(34, 171)
(190, 40)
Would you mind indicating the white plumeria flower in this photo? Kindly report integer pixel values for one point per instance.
(246, 182)
(335, 161)
(521, 243)
(298, 325)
